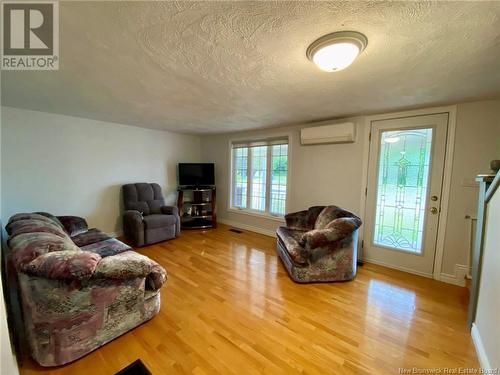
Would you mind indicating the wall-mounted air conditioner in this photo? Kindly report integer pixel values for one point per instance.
(330, 133)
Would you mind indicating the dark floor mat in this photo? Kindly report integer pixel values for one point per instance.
(135, 368)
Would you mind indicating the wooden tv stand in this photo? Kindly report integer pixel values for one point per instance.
(197, 207)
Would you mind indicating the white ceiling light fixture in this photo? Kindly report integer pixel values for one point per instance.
(336, 51)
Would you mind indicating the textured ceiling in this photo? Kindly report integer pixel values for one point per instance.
(212, 67)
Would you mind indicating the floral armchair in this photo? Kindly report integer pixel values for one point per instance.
(319, 244)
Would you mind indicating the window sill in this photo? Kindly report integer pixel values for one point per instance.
(263, 215)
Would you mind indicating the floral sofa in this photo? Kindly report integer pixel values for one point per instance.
(79, 287)
(319, 244)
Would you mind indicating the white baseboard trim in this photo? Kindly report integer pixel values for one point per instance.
(404, 269)
(251, 228)
(478, 344)
(458, 278)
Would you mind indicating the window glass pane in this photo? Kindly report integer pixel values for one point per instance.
(240, 165)
(258, 178)
(403, 176)
(279, 169)
(253, 184)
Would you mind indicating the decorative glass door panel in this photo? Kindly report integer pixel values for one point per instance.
(403, 176)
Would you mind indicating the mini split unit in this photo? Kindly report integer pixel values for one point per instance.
(328, 133)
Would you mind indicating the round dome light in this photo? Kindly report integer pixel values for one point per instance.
(336, 51)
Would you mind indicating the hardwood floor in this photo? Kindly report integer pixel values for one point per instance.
(229, 307)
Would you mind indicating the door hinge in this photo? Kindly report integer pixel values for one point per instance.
(369, 136)
(366, 191)
(362, 244)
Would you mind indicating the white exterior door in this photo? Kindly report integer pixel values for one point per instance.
(405, 178)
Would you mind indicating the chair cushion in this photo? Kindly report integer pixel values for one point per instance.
(91, 236)
(142, 207)
(290, 238)
(159, 221)
(312, 215)
(328, 214)
(143, 197)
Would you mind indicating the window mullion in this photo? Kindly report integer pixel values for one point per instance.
(268, 179)
(249, 177)
(254, 158)
(233, 177)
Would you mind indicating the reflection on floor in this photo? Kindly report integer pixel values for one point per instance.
(230, 308)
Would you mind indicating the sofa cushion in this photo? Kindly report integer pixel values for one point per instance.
(73, 225)
(51, 217)
(28, 246)
(290, 238)
(15, 228)
(159, 221)
(91, 236)
(64, 265)
(44, 216)
(107, 247)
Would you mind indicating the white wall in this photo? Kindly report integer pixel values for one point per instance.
(320, 174)
(477, 142)
(332, 174)
(71, 165)
(74, 166)
(488, 305)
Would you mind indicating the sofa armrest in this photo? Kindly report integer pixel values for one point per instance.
(133, 227)
(336, 230)
(128, 265)
(169, 210)
(73, 225)
(133, 216)
(296, 220)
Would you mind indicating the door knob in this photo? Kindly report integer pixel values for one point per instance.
(434, 210)
(434, 198)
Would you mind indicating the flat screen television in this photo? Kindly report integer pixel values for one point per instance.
(196, 174)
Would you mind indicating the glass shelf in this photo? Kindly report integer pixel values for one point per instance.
(189, 217)
(197, 207)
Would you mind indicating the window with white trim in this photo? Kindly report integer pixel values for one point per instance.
(259, 176)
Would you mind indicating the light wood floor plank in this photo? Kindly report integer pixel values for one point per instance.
(230, 308)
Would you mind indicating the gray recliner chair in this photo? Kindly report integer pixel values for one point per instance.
(146, 219)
